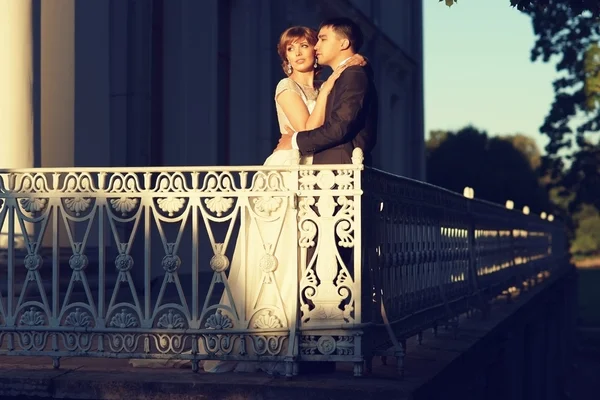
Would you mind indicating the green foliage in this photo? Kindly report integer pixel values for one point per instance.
(561, 199)
(582, 222)
(435, 139)
(591, 65)
(587, 234)
(493, 167)
(583, 177)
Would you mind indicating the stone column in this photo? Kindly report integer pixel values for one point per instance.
(16, 98)
(16, 76)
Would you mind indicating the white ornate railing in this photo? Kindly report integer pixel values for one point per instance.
(247, 263)
(188, 263)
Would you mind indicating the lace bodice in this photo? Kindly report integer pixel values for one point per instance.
(308, 95)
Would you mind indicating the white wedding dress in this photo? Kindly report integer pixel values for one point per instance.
(267, 299)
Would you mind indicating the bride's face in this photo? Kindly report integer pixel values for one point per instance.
(301, 55)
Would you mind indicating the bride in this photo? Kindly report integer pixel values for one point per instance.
(300, 103)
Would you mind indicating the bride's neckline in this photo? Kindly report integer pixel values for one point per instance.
(303, 85)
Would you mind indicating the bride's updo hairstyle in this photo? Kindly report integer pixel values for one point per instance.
(292, 35)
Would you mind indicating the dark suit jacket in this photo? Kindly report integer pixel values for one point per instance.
(350, 120)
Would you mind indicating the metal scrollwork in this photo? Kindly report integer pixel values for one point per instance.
(267, 321)
(78, 318)
(123, 320)
(124, 205)
(33, 262)
(171, 205)
(171, 320)
(33, 204)
(119, 342)
(77, 205)
(326, 345)
(124, 262)
(171, 263)
(33, 317)
(219, 261)
(219, 205)
(219, 321)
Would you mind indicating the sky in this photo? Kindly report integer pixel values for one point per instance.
(478, 70)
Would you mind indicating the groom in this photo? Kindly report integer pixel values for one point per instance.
(351, 112)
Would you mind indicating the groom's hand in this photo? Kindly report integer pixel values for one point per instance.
(285, 143)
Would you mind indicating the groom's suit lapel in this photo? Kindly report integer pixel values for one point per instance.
(332, 99)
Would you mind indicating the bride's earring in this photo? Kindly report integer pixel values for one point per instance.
(316, 64)
(289, 70)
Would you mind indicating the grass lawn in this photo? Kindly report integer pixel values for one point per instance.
(589, 296)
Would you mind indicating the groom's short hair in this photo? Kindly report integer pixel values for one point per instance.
(347, 28)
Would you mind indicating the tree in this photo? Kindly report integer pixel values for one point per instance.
(577, 6)
(494, 167)
(574, 38)
(435, 139)
(574, 178)
(527, 146)
(582, 178)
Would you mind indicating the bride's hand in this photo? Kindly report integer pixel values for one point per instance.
(327, 86)
(356, 59)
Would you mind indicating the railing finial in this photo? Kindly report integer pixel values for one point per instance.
(357, 156)
(469, 192)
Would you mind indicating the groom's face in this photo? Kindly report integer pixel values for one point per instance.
(328, 47)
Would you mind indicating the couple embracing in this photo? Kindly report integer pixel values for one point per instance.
(320, 123)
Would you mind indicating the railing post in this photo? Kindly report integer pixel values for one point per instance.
(475, 287)
(357, 256)
(291, 359)
(452, 317)
(371, 297)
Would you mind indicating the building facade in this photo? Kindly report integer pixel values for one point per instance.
(184, 82)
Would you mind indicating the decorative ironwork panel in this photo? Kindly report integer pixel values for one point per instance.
(263, 264)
